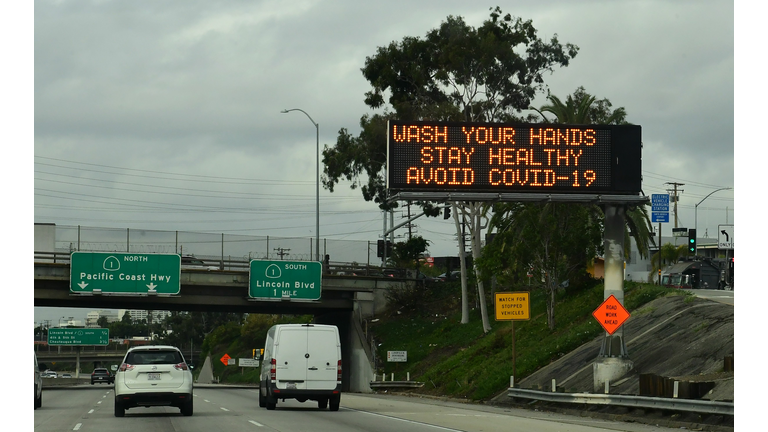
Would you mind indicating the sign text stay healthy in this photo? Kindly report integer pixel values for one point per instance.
(125, 273)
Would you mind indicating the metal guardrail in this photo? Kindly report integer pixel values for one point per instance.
(673, 404)
(396, 384)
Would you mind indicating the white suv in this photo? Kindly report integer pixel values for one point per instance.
(153, 375)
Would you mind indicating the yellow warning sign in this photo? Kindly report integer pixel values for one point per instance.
(513, 306)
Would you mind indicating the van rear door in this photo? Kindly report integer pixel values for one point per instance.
(322, 363)
(290, 351)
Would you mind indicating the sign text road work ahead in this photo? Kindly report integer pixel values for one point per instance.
(513, 306)
(611, 314)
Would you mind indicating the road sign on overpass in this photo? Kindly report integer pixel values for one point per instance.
(124, 273)
(288, 280)
(78, 336)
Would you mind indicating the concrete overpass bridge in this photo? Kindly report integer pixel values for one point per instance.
(345, 302)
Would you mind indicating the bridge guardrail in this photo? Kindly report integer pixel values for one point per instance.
(243, 264)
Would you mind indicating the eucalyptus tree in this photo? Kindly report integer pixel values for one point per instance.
(455, 73)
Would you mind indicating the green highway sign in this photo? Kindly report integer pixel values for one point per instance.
(124, 273)
(299, 280)
(78, 336)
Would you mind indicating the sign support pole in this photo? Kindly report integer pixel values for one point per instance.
(514, 354)
(659, 253)
(613, 361)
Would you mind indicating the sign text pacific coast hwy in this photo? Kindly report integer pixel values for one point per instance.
(125, 273)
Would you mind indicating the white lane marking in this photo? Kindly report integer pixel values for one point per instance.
(77, 426)
(404, 420)
(98, 402)
(224, 409)
(206, 400)
(90, 412)
(256, 423)
(104, 397)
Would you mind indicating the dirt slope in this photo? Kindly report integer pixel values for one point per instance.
(671, 337)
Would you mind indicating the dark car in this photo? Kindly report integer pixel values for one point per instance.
(102, 375)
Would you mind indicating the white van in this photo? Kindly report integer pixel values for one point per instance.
(301, 361)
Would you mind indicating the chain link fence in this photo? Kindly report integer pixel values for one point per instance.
(212, 246)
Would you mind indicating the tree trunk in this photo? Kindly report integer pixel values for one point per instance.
(475, 225)
(462, 253)
(551, 290)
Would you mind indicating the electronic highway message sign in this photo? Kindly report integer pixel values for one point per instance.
(495, 157)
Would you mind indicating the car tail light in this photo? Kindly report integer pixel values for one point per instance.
(93, 373)
(181, 366)
(338, 373)
(126, 367)
(273, 370)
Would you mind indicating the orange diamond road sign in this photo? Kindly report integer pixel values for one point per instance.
(225, 359)
(611, 314)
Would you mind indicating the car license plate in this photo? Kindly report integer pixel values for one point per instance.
(290, 385)
(153, 376)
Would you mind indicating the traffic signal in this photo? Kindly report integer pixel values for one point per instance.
(692, 241)
(380, 248)
(446, 212)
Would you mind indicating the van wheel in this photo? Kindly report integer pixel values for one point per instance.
(335, 402)
(119, 409)
(271, 404)
(322, 403)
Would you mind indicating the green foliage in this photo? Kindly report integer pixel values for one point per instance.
(408, 253)
(460, 361)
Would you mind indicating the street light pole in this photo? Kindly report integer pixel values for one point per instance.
(317, 182)
(696, 216)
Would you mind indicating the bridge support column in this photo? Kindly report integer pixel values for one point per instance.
(77, 362)
(613, 361)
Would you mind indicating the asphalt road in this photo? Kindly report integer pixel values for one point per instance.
(236, 410)
(721, 296)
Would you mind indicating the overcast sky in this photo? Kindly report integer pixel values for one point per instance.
(166, 115)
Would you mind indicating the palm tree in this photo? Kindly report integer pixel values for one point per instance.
(583, 108)
(667, 254)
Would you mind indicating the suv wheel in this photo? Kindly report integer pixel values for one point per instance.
(38, 399)
(187, 408)
(119, 409)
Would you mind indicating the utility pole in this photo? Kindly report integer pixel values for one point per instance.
(282, 252)
(675, 196)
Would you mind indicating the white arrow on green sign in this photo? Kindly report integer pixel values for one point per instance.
(299, 280)
(125, 273)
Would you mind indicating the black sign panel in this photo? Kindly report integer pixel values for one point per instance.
(494, 157)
